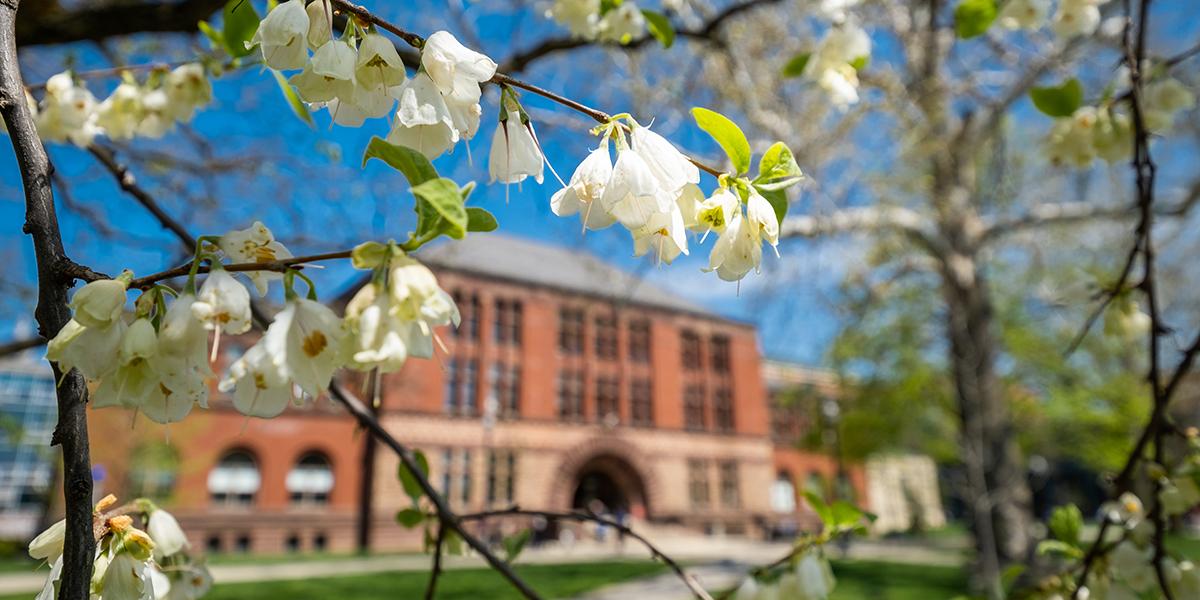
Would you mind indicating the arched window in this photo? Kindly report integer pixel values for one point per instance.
(783, 494)
(311, 480)
(235, 479)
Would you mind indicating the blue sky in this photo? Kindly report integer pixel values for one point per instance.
(306, 184)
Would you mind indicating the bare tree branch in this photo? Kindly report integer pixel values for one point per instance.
(865, 219)
(48, 22)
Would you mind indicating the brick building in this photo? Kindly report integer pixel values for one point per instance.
(568, 383)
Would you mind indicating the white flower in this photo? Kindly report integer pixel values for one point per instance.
(452, 66)
(580, 17)
(320, 23)
(223, 304)
(665, 233)
(633, 194)
(126, 578)
(1024, 14)
(417, 296)
(182, 360)
(1163, 99)
(120, 113)
(68, 112)
(583, 192)
(168, 536)
(712, 214)
(1125, 510)
(670, 167)
(814, 578)
(737, 251)
(189, 582)
(515, 153)
(48, 545)
(187, 89)
(157, 115)
(92, 350)
(99, 303)
(1072, 139)
(1076, 17)
(762, 215)
(260, 384)
(135, 379)
(832, 64)
(622, 24)
(423, 122)
(283, 36)
(1112, 138)
(255, 244)
(378, 63)
(841, 83)
(304, 340)
(50, 588)
(387, 326)
(376, 337)
(835, 10)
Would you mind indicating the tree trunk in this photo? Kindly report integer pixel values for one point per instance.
(997, 492)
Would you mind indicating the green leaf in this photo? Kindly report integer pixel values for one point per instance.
(777, 169)
(861, 62)
(479, 219)
(240, 21)
(1059, 548)
(409, 481)
(514, 543)
(777, 198)
(1009, 576)
(727, 134)
(1066, 523)
(410, 517)
(660, 27)
(452, 543)
(214, 36)
(1058, 101)
(293, 99)
(973, 17)
(413, 164)
(823, 511)
(368, 255)
(795, 66)
(845, 515)
(444, 198)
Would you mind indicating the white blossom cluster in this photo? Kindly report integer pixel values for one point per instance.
(621, 22)
(1106, 131)
(1072, 18)
(159, 364)
(834, 65)
(68, 112)
(130, 564)
(811, 578)
(652, 191)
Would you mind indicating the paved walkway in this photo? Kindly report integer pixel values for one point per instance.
(710, 555)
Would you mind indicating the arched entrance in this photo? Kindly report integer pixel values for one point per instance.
(607, 483)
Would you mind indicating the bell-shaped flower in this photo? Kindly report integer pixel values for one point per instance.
(363, 103)
(320, 23)
(170, 405)
(375, 337)
(423, 122)
(582, 194)
(158, 118)
(283, 36)
(48, 545)
(832, 65)
(223, 304)
(100, 303)
(664, 233)
(1112, 137)
(1072, 139)
(1076, 18)
(120, 113)
(633, 194)
(187, 88)
(465, 113)
(188, 581)
(68, 112)
(135, 379)
(738, 250)
(378, 63)
(814, 578)
(255, 244)
(762, 216)
(1163, 99)
(92, 350)
(452, 66)
(182, 360)
(50, 588)
(305, 339)
(672, 169)
(515, 153)
(705, 215)
(622, 24)
(1024, 14)
(259, 383)
(168, 536)
(580, 17)
(125, 578)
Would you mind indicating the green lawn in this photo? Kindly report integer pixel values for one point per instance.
(863, 580)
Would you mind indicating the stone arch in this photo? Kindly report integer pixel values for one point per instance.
(611, 458)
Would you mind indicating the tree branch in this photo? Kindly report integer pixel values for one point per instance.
(436, 571)
(865, 219)
(47, 22)
(52, 311)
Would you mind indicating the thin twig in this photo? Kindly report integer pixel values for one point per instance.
(436, 571)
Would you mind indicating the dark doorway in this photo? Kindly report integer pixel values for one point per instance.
(596, 485)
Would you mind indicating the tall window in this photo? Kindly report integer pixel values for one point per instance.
(506, 389)
(501, 475)
(456, 475)
(693, 408)
(570, 331)
(692, 358)
(507, 326)
(570, 396)
(719, 349)
(608, 400)
(235, 480)
(461, 382)
(723, 410)
(783, 494)
(311, 481)
(606, 337)
(468, 307)
(639, 341)
(727, 473)
(698, 482)
(641, 403)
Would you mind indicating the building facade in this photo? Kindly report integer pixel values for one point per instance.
(569, 384)
(28, 412)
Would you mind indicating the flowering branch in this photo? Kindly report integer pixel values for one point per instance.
(277, 266)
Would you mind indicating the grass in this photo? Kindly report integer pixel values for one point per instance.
(862, 580)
